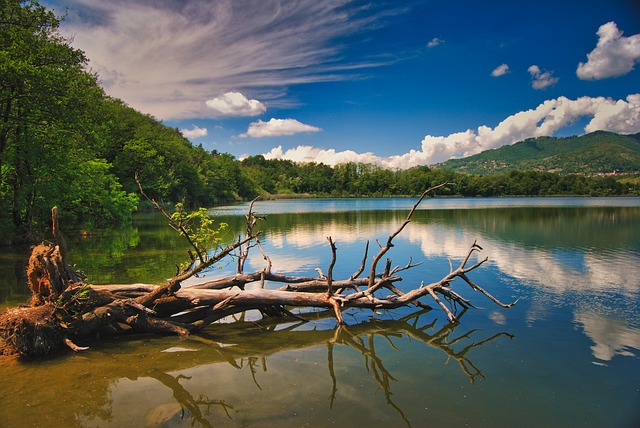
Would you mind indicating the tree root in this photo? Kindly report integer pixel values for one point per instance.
(30, 331)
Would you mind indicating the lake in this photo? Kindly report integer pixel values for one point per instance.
(568, 354)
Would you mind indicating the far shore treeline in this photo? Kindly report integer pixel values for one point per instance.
(65, 143)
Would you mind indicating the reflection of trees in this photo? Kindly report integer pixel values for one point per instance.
(443, 339)
(362, 337)
(113, 255)
(187, 401)
(13, 279)
(89, 384)
(546, 227)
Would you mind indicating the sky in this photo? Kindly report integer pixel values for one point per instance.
(396, 83)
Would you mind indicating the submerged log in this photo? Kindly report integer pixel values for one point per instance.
(65, 309)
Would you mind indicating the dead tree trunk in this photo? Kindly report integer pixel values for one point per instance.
(65, 310)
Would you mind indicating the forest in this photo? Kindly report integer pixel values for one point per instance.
(64, 142)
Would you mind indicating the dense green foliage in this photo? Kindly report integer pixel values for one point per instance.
(47, 103)
(343, 180)
(357, 179)
(64, 142)
(594, 153)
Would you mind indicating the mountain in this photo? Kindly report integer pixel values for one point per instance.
(594, 153)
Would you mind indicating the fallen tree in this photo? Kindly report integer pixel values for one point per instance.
(65, 309)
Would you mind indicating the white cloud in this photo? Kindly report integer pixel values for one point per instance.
(196, 132)
(622, 116)
(541, 79)
(167, 58)
(434, 42)
(277, 128)
(618, 116)
(235, 104)
(500, 70)
(550, 116)
(614, 55)
(328, 157)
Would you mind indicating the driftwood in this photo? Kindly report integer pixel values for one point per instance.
(66, 310)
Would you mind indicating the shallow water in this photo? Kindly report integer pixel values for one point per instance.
(568, 354)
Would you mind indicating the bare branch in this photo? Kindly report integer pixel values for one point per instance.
(389, 245)
(82, 311)
(331, 265)
(252, 219)
(363, 264)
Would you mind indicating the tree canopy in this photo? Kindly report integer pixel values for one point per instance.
(49, 109)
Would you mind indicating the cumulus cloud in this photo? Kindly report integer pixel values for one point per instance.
(500, 70)
(196, 132)
(614, 55)
(167, 58)
(622, 116)
(541, 79)
(328, 157)
(434, 42)
(277, 128)
(235, 104)
(547, 118)
(617, 116)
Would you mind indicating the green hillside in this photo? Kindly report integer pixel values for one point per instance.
(598, 152)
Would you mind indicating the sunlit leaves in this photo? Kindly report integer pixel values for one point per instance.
(199, 228)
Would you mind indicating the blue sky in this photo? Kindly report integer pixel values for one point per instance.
(398, 83)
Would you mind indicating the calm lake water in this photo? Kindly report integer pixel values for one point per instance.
(568, 354)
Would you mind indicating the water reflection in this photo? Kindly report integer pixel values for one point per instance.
(575, 361)
(563, 249)
(204, 380)
(611, 337)
(185, 406)
(362, 337)
(147, 251)
(13, 276)
(585, 260)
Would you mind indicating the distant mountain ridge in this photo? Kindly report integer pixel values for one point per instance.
(599, 152)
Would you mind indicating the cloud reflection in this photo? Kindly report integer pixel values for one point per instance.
(612, 337)
(556, 271)
(576, 275)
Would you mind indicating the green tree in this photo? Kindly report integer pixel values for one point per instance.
(316, 178)
(47, 106)
(97, 195)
